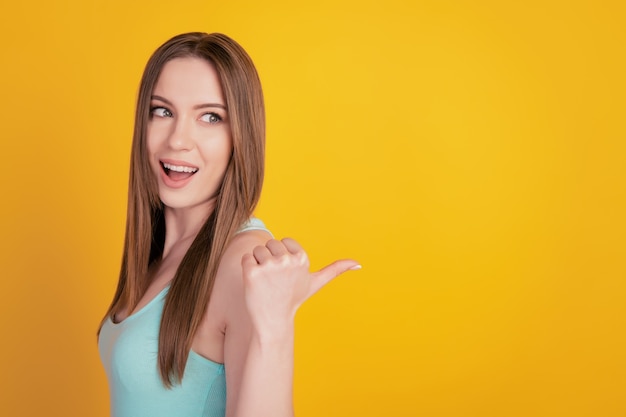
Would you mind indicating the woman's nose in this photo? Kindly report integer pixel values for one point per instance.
(180, 137)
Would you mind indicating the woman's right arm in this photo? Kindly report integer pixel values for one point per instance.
(259, 349)
(276, 282)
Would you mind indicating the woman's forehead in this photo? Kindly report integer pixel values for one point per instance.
(189, 80)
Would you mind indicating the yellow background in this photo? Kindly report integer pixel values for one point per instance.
(472, 155)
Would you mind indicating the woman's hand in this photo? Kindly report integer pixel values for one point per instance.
(277, 281)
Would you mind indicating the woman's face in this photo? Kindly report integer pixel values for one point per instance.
(188, 137)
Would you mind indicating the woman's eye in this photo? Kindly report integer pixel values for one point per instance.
(211, 118)
(160, 112)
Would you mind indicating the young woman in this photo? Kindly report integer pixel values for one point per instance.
(202, 320)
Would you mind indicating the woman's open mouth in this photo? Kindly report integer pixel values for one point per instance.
(178, 172)
(175, 175)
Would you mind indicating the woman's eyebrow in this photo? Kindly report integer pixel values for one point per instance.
(196, 107)
(164, 100)
(202, 106)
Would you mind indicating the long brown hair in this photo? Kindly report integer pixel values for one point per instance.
(191, 287)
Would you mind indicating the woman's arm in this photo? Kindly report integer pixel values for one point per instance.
(267, 281)
(276, 282)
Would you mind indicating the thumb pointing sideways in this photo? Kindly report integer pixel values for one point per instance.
(330, 272)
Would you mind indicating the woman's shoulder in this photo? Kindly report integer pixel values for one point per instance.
(251, 234)
(228, 289)
(227, 305)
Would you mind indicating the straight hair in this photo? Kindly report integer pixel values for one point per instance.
(190, 289)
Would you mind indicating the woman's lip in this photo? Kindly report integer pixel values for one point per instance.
(170, 183)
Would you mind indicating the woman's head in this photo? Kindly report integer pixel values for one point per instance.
(188, 139)
(241, 91)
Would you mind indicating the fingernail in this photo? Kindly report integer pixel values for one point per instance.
(356, 267)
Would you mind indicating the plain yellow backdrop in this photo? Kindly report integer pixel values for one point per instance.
(471, 155)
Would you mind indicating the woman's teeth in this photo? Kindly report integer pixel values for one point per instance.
(179, 168)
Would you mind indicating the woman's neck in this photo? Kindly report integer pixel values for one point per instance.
(183, 224)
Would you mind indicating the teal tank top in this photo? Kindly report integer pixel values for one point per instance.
(128, 351)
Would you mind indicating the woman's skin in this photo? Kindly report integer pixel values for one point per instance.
(261, 282)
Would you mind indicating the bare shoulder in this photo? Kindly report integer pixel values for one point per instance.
(241, 244)
(228, 291)
(227, 308)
